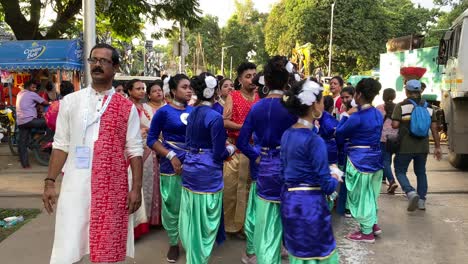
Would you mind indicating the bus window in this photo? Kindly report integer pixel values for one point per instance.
(442, 56)
(456, 36)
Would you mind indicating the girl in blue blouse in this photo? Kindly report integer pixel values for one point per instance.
(267, 120)
(226, 86)
(327, 129)
(362, 126)
(171, 121)
(202, 173)
(307, 179)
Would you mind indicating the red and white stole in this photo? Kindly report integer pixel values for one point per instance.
(108, 227)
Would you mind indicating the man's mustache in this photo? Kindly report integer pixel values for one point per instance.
(98, 69)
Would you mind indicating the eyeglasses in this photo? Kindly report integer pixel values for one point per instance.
(101, 61)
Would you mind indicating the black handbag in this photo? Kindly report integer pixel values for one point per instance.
(393, 143)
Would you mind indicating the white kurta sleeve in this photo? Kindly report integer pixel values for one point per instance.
(134, 144)
(62, 132)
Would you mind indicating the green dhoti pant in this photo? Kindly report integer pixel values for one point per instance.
(171, 188)
(200, 216)
(249, 225)
(363, 193)
(268, 232)
(332, 259)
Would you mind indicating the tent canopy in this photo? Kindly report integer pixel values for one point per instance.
(41, 54)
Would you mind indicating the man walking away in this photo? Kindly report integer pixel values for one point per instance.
(414, 117)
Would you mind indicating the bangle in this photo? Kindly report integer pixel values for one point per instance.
(171, 155)
(49, 179)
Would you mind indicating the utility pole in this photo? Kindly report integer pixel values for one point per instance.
(222, 58)
(182, 48)
(331, 41)
(222, 61)
(230, 70)
(89, 36)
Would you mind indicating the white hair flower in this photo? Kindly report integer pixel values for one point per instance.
(211, 84)
(166, 85)
(261, 80)
(297, 77)
(309, 93)
(289, 67)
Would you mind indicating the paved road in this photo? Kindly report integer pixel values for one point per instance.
(438, 235)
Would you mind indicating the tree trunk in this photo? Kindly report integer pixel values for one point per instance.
(24, 29)
(64, 19)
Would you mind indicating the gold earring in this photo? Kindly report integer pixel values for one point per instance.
(316, 116)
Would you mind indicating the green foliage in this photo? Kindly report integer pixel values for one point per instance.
(361, 29)
(210, 35)
(124, 18)
(445, 20)
(245, 33)
(127, 17)
(236, 35)
(185, 11)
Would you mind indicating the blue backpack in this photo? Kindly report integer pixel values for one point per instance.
(420, 122)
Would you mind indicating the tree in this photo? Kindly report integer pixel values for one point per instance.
(361, 29)
(125, 17)
(245, 33)
(445, 19)
(210, 35)
(237, 36)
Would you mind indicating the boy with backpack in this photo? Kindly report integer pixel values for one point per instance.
(414, 117)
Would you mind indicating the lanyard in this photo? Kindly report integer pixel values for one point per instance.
(99, 114)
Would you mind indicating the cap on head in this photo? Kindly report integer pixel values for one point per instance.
(413, 86)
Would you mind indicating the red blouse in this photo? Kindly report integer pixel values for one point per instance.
(240, 109)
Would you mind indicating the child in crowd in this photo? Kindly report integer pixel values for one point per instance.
(387, 139)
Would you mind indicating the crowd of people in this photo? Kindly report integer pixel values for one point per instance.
(246, 157)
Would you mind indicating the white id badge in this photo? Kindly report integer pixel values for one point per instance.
(82, 157)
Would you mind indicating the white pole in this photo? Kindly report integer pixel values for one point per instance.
(230, 70)
(89, 36)
(182, 51)
(331, 41)
(222, 60)
(144, 61)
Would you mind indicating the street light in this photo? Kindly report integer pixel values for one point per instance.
(331, 40)
(222, 58)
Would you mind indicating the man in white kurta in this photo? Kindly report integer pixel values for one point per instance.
(88, 106)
